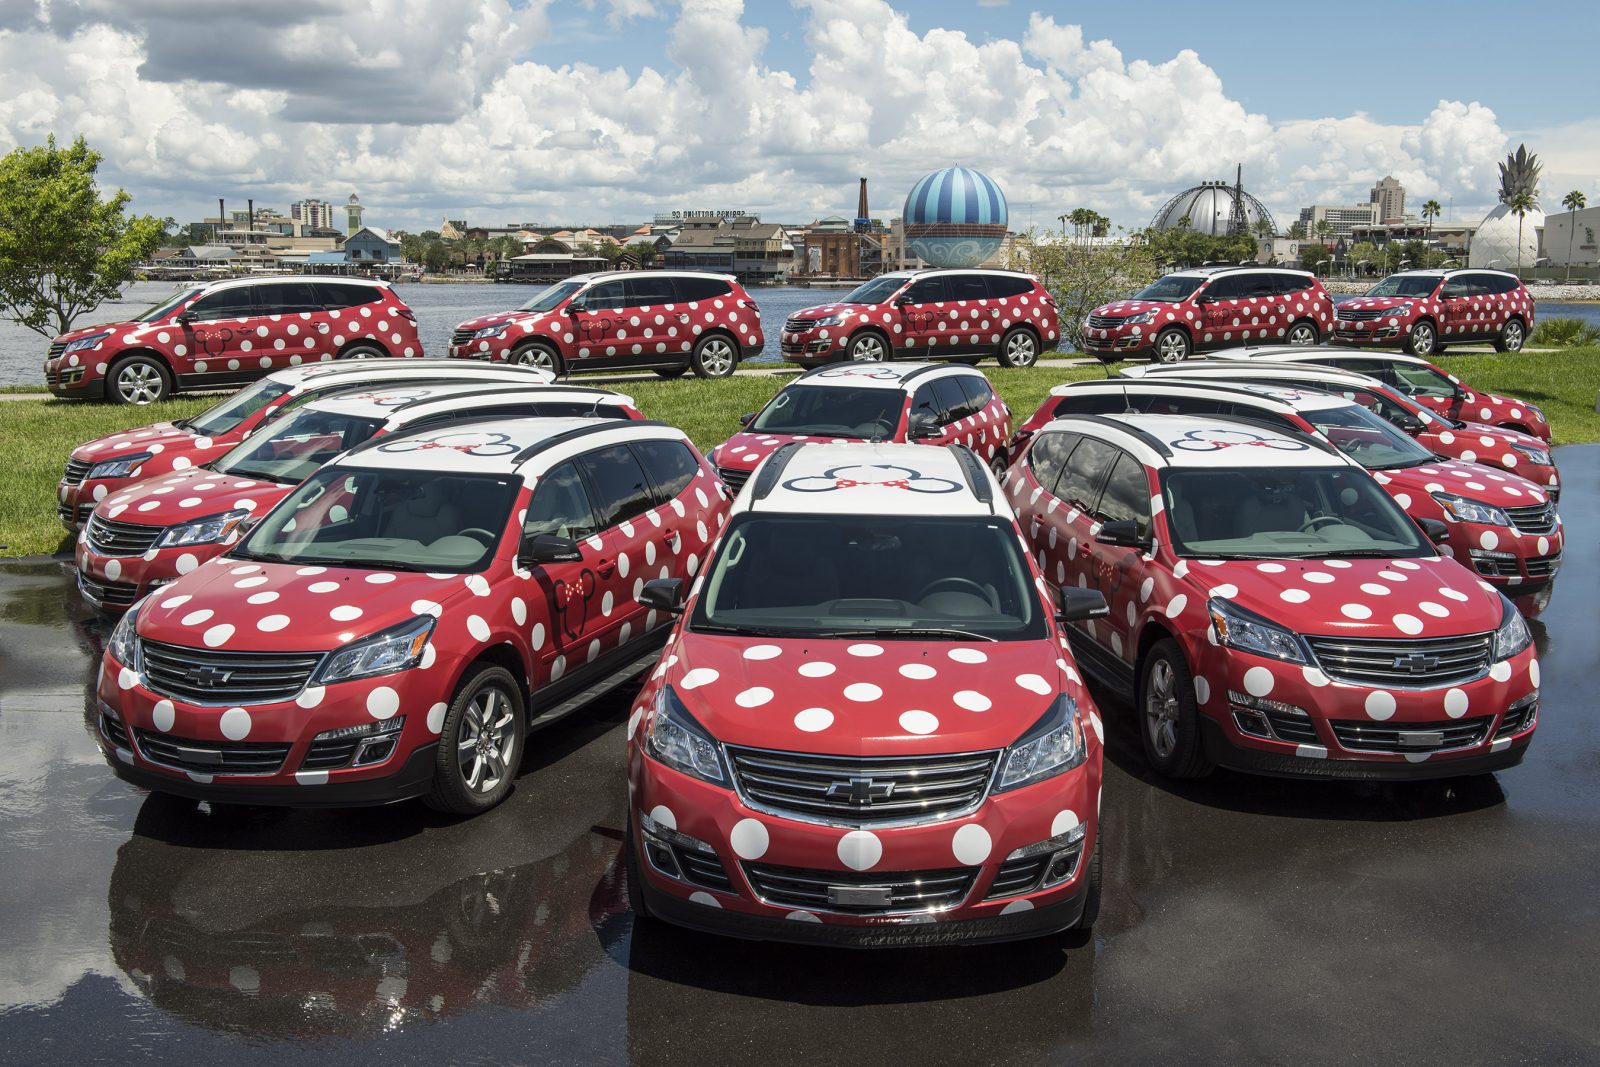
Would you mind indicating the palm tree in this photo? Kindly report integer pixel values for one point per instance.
(1521, 201)
(1430, 211)
(1323, 230)
(1263, 229)
(1574, 202)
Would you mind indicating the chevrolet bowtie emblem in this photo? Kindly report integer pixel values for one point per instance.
(860, 792)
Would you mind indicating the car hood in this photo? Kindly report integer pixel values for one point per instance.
(746, 450)
(224, 602)
(493, 319)
(1479, 436)
(1383, 303)
(819, 311)
(1472, 480)
(190, 495)
(1134, 307)
(89, 331)
(1374, 598)
(156, 438)
(846, 697)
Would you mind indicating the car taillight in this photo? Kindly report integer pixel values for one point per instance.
(407, 312)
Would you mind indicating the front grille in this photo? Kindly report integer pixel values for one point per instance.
(702, 870)
(203, 676)
(1543, 566)
(1402, 737)
(1537, 519)
(212, 757)
(329, 752)
(860, 790)
(798, 325)
(76, 470)
(84, 511)
(108, 594)
(52, 377)
(907, 891)
(56, 349)
(1359, 314)
(115, 732)
(1289, 727)
(1019, 876)
(1106, 322)
(461, 337)
(1424, 663)
(733, 479)
(121, 538)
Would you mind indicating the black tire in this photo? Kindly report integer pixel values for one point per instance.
(1423, 339)
(1091, 891)
(671, 373)
(1172, 346)
(715, 356)
(868, 346)
(997, 463)
(138, 380)
(1302, 334)
(1511, 336)
(633, 874)
(1176, 752)
(1018, 348)
(363, 351)
(453, 790)
(1438, 349)
(538, 355)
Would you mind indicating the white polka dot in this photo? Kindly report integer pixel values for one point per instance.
(1258, 681)
(1533, 671)
(860, 850)
(345, 613)
(383, 702)
(1202, 690)
(163, 715)
(971, 845)
(865, 650)
(322, 587)
(235, 724)
(663, 815)
(1270, 568)
(918, 722)
(126, 679)
(754, 697)
(1489, 539)
(426, 607)
(1455, 703)
(1500, 672)
(917, 672)
(1374, 589)
(1063, 822)
(1380, 705)
(478, 584)
(1356, 611)
(749, 839)
(311, 697)
(967, 655)
(813, 720)
(1294, 596)
(861, 692)
(817, 669)
(273, 623)
(762, 652)
(217, 635)
(698, 677)
(1314, 677)
(1408, 624)
(187, 562)
(1175, 608)
(1035, 684)
(972, 700)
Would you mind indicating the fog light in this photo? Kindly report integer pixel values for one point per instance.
(659, 841)
(1066, 849)
(1246, 701)
(672, 837)
(1252, 722)
(377, 739)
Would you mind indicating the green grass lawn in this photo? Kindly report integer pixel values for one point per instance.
(41, 433)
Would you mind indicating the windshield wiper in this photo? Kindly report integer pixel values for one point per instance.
(1360, 553)
(911, 631)
(751, 631)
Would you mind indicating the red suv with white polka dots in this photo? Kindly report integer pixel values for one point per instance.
(866, 728)
(1272, 608)
(1421, 311)
(403, 618)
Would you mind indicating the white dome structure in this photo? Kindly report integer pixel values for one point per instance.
(1216, 209)
(1495, 242)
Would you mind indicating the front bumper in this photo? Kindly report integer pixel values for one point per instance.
(1376, 332)
(76, 382)
(111, 583)
(1119, 341)
(813, 346)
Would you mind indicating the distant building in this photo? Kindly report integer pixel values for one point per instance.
(1570, 238)
(207, 256)
(452, 229)
(1389, 200)
(372, 245)
(745, 246)
(1343, 218)
(674, 219)
(352, 212)
(308, 215)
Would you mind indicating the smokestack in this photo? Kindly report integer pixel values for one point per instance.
(250, 206)
(861, 208)
(222, 218)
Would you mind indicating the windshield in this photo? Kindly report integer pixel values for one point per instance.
(1423, 381)
(872, 575)
(877, 291)
(296, 446)
(1364, 437)
(552, 297)
(1169, 290)
(226, 415)
(1385, 406)
(1405, 285)
(1299, 513)
(832, 412)
(387, 520)
(156, 311)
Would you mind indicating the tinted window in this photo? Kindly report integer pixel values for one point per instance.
(966, 287)
(1003, 285)
(605, 295)
(236, 303)
(1500, 284)
(560, 506)
(1454, 287)
(700, 288)
(1086, 469)
(577, 409)
(977, 389)
(1292, 283)
(957, 405)
(1271, 418)
(1126, 497)
(1177, 405)
(670, 465)
(927, 290)
(1091, 404)
(1048, 457)
(927, 401)
(644, 292)
(288, 298)
(1227, 288)
(1257, 285)
(620, 488)
(333, 295)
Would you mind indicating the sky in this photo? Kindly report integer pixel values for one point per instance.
(604, 111)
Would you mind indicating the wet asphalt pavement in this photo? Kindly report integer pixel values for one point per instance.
(1244, 919)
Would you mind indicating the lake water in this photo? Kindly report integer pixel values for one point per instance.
(440, 307)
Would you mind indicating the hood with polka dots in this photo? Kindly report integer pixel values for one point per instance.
(189, 495)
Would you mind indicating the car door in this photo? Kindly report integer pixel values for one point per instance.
(600, 326)
(1067, 526)
(1456, 311)
(990, 426)
(677, 545)
(967, 300)
(921, 307)
(565, 618)
(1219, 313)
(622, 494)
(657, 333)
(1119, 571)
(218, 326)
(936, 405)
(288, 325)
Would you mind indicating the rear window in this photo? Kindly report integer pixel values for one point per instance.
(670, 465)
(335, 296)
(700, 288)
(1004, 285)
(966, 287)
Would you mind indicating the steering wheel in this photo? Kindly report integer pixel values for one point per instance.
(964, 584)
(480, 534)
(1318, 520)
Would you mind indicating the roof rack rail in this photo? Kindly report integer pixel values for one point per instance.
(1140, 432)
(509, 388)
(583, 431)
(976, 474)
(1316, 441)
(772, 470)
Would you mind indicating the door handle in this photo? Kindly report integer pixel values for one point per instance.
(1033, 530)
(683, 317)
(670, 539)
(605, 567)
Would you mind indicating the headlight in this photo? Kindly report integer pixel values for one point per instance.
(1140, 319)
(681, 743)
(206, 531)
(1052, 746)
(1249, 632)
(490, 331)
(124, 642)
(1513, 635)
(396, 649)
(86, 342)
(1461, 509)
(1404, 309)
(831, 320)
(1537, 456)
(118, 468)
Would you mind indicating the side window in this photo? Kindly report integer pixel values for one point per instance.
(288, 298)
(1086, 470)
(1004, 285)
(604, 295)
(577, 409)
(336, 296)
(927, 290)
(1272, 418)
(670, 465)
(621, 490)
(1048, 457)
(926, 401)
(236, 303)
(1226, 288)
(700, 288)
(1423, 381)
(560, 506)
(977, 389)
(966, 287)
(1177, 405)
(649, 292)
(1258, 286)
(953, 399)
(1503, 284)
(1454, 287)
(1126, 497)
(1091, 404)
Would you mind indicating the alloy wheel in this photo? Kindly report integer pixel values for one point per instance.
(716, 356)
(1161, 709)
(1021, 351)
(1302, 335)
(1171, 348)
(139, 383)
(1513, 336)
(867, 349)
(486, 742)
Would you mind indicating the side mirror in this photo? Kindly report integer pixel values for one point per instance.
(574, 306)
(664, 594)
(186, 316)
(1410, 424)
(1204, 299)
(901, 301)
(1437, 531)
(747, 418)
(1122, 532)
(1074, 605)
(548, 548)
(924, 427)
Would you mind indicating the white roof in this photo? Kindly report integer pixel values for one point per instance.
(493, 446)
(871, 479)
(882, 375)
(358, 372)
(1262, 371)
(278, 279)
(381, 401)
(1302, 354)
(1199, 441)
(1212, 272)
(1285, 395)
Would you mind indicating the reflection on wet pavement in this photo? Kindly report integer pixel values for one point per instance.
(1245, 918)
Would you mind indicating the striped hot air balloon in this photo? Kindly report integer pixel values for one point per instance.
(955, 217)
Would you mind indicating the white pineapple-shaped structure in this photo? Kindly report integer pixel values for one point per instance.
(1503, 240)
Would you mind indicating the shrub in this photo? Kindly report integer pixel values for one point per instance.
(1565, 333)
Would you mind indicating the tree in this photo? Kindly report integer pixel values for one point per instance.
(413, 247)
(1323, 230)
(1263, 229)
(644, 251)
(1082, 276)
(1574, 202)
(436, 257)
(609, 251)
(63, 250)
(1521, 201)
(1430, 211)
(1297, 231)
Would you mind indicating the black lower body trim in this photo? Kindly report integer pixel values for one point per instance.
(412, 779)
(1224, 753)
